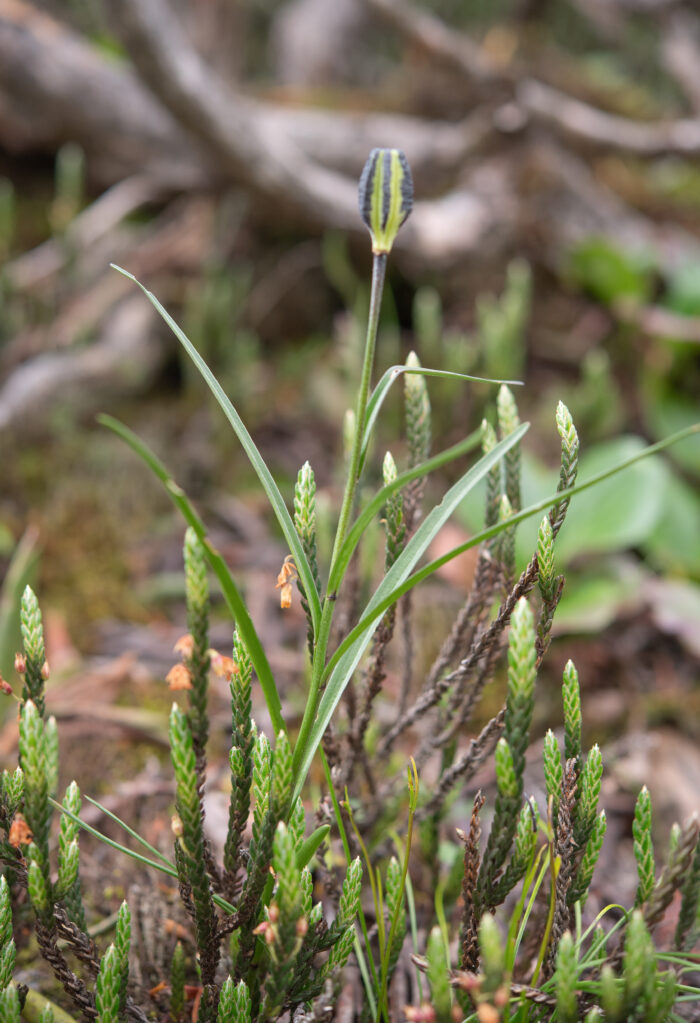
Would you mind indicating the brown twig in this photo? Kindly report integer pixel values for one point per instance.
(469, 934)
(564, 848)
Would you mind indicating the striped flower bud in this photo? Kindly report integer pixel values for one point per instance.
(385, 196)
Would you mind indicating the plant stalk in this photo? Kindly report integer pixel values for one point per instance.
(321, 644)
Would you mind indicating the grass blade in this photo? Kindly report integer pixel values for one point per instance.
(170, 871)
(229, 589)
(130, 831)
(345, 659)
(375, 505)
(341, 668)
(486, 534)
(255, 458)
(393, 373)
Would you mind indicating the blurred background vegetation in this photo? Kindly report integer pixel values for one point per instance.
(212, 149)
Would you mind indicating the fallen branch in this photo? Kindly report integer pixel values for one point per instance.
(582, 123)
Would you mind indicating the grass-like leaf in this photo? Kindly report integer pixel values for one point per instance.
(231, 593)
(346, 657)
(255, 458)
(340, 669)
(162, 866)
(393, 373)
(374, 506)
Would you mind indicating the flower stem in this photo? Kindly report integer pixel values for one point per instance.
(321, 644)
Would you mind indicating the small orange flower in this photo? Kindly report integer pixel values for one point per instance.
(20, 664)
(20, 832)
(424, 1014)
(179, 678)
(488, 1013)
(5, 687)
(221, 665)
(184, 646)
(287, 575)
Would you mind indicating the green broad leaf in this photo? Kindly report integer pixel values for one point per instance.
(340, 669)
(255, 458)
(666, 410)
(592, 602)
(610, 273)
(346, 657)
(683, 295)
(393, 373)
(622, 512)
(228, 586)
(310, 845)
(674, 545)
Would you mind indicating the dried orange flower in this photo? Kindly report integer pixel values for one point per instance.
(184, 646)
(267, 930)
(5, 687)
(221, 665)
(424, 1014)
(20, 664)
(179, 677)
(20, 832)
(287, 575)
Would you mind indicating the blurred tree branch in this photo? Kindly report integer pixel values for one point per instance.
(180, 125)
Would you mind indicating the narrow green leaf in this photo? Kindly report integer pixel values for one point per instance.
(311, 844)
(346, 656)
(375, 505)
(340, 669)
(130, 831)
(232, 596)
(382, 389)
(487, 534)
(255, 458)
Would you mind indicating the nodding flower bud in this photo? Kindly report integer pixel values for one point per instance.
(385, 196)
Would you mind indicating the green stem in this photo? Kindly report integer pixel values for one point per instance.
(378, 275)
(395, 919)
(321, 645)
(363, 923)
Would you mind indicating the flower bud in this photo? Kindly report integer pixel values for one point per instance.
(385, 196)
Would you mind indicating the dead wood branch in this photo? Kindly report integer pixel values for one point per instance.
(47, 70)
(430, 35)
(128, 356)
(275, 169)
(55, 87)
(573, 120)
(33, 268)
(680, 48)
(581, 123)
